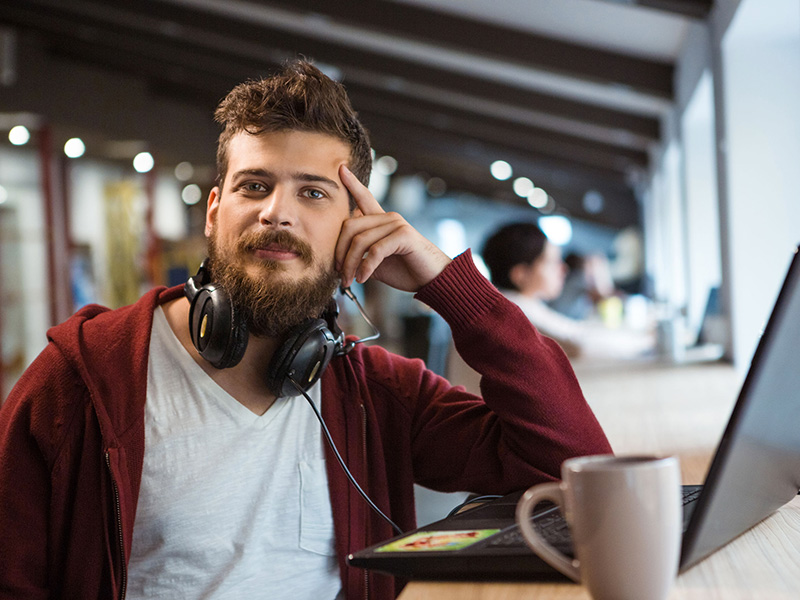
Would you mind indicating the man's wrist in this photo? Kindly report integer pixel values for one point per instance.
(460, 293)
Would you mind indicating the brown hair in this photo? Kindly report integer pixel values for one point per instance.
(298, 97)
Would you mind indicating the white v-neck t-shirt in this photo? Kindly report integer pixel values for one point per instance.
(232, 504)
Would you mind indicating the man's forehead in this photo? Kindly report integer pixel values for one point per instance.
(282, 137)
(305, 152)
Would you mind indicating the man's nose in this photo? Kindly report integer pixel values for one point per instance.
(278, 209)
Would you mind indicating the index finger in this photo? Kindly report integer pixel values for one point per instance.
(361, 194)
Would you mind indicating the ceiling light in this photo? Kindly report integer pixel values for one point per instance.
(593, 202)
(537, 198)
(501, 170)
(19, 135)
(557, 228)
(74, 147)
(191, 194)
(549, 207)
(386, 165)
(143, 162)
(523, 186)
(452, 237)
(436, 187)
(184, 171)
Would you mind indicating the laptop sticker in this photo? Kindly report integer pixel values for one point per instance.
(425, 541)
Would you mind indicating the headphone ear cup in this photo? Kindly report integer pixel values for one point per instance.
(218, 333)
(303, 357)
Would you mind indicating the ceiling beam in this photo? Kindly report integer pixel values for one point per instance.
(104, 107)
(447, 124)
(391, 72)
(194, 30)
(696, 9)
(394, 135)
(466, 172)
(402, 78)
(506, 138)
(482, 38)
(172, 62)
(542, 168)
(499, 131)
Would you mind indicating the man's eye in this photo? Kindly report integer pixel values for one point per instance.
(254, 187)
(315, 194)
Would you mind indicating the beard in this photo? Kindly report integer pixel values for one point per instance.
(271, 306)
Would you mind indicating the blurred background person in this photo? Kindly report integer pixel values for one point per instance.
(587, 286)
(529, 270)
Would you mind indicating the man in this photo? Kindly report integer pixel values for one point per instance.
(132, 465)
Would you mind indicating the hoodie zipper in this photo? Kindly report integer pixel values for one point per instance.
(118, 515)
(364, 483)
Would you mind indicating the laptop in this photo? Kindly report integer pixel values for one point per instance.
(711, 334)
(755, 471)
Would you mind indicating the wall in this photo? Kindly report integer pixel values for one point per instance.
(24, 268)
(760, 54)
(703, 268)
(735, 134)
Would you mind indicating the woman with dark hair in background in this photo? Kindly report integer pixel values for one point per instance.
(529, 270)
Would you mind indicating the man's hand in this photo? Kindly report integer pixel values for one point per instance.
(380, 244)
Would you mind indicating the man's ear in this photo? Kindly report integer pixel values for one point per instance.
(212, 206)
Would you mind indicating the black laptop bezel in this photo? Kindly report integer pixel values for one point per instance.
(693, 550)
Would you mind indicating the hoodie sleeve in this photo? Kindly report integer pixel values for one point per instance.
(30, 431)
(532, 414)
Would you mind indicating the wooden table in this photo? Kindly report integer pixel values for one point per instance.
(670, 410)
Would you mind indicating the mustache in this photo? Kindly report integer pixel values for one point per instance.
(284, 239)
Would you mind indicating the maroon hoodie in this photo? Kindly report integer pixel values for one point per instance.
(72, 436)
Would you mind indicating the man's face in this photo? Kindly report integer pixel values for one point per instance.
(274, 224)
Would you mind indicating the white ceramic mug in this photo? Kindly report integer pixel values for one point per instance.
(625, 518)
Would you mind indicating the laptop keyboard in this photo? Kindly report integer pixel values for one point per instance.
(554, 529)
(551, 526)
(689, 496)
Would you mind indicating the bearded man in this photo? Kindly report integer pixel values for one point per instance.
(133, 466)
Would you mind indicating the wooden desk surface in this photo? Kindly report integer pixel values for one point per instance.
(682, 411)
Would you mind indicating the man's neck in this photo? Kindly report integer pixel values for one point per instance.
(246, 381)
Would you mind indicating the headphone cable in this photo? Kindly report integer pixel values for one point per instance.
(375, 333)
(350, 477)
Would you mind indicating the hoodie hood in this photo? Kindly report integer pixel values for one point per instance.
(109, 350)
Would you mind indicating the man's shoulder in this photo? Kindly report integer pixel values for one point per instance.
(375, 356)
(379, 370)
(97, 338)
(98, 320)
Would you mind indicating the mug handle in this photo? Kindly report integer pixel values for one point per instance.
(529, 500)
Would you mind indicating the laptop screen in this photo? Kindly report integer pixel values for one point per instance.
(757, 466)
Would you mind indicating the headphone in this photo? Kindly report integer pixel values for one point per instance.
(220, 335)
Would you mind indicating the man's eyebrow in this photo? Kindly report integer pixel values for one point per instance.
(250, 172)
(312, 178)
(298, 176)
